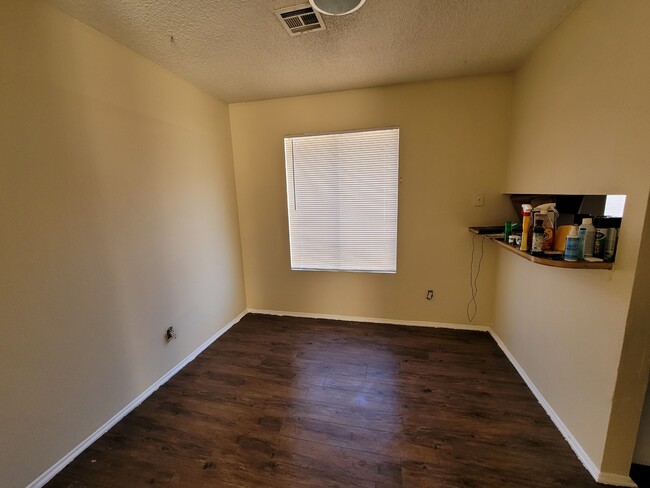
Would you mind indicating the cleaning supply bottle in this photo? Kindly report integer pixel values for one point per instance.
(549, 230)
(612, 238)
(526, 209)
(587, 235)
(536, 248)
(572, 246)
(602, 229)
(548, 214)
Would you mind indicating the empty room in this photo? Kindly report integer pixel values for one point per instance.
(330, 243)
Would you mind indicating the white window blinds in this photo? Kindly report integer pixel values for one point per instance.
(342, 200)
(614, 205)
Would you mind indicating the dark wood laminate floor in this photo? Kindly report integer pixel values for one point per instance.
(287, 402)
(641, 475)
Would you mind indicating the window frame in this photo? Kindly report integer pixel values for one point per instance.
(393, 266)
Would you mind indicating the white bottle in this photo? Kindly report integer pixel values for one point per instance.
(587, 235)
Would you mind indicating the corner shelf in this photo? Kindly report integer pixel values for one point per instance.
(545, 261)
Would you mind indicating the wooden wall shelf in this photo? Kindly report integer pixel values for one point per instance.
(545, 261)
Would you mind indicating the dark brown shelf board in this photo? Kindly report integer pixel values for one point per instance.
(549, 262)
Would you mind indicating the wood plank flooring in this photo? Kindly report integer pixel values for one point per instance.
(305, 403)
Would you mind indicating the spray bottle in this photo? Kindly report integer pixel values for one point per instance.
(526, 209)
(548, 214)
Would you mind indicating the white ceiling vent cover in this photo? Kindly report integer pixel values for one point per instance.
(300, 19)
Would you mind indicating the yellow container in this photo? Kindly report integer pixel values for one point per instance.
(560, 237)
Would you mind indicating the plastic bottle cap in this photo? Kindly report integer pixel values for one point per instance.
(586, 221)
(574, 231)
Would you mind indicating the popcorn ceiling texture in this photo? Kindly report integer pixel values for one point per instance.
(238, 51)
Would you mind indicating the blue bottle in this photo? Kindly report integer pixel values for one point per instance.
(572, 247)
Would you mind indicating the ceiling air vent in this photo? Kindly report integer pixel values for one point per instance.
(300, 19)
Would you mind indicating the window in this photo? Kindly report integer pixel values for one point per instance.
(342, 200)
(614, 205)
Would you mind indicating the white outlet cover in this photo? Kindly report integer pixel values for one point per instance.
(478, 199)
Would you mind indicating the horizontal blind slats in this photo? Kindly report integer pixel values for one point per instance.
(342, 200)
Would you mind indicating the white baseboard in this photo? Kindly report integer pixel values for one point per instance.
(68, 458)
(375, 320)
(600, 477)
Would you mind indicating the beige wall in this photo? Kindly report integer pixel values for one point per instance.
(118, 218)
(452, 143)
(642, 448)
(581, 119)
(632, 376)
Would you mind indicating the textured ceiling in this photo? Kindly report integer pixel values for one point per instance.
(239, 51)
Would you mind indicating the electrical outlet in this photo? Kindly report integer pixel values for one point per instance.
(429, 294)
(478, 199)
